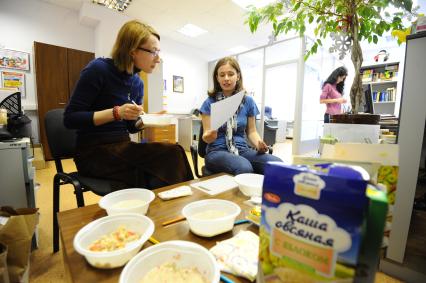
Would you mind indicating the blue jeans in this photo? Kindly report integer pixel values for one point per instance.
(248, 161)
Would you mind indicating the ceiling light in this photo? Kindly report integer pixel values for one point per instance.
(119, 5)
(238, 49)
(191, 30)
(256, 3)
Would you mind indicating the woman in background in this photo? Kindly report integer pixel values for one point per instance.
(227, 149)
(332, 93)
(105, 107)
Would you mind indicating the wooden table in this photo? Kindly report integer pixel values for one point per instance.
(70, 222)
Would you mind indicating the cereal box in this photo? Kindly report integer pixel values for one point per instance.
(312, 222)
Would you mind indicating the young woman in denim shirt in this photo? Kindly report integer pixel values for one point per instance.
(227, 149)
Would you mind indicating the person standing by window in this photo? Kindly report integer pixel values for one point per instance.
(332, 93)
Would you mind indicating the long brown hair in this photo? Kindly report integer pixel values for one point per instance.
(234, 64)
(131, 35)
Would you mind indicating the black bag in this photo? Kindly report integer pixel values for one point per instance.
(19, 125)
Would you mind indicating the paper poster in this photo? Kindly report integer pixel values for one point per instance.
(12, 59)
(14, 80)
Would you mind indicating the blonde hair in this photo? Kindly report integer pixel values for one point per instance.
(131, 35)
(234, 64)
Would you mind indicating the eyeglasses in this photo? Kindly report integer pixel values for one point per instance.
(154, 53)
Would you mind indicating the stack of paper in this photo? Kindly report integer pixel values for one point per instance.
(216, 185)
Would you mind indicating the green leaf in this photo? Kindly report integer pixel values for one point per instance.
(375, 39)
(314, 48)
(297, 6)
(316, 30)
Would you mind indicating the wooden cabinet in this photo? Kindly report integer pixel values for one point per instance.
(165, 133)
(57, 70)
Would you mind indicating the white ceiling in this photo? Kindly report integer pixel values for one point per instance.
(223, 19)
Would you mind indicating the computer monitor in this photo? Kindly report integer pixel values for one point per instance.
(368, 99)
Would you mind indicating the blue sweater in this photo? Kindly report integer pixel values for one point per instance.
(101, 86)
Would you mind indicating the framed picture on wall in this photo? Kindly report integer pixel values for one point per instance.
(177, 84)
(13, 80)
(11, 59)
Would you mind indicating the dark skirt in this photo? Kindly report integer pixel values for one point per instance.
(139, 165)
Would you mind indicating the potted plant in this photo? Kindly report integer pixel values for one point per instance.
(348, 22)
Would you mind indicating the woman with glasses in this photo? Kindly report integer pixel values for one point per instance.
(227, 149)
(106, 106)
(332, 93)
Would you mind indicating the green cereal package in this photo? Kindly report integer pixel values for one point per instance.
(313, 224)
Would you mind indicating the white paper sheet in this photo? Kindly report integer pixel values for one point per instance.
(216, 185)
(222, 110)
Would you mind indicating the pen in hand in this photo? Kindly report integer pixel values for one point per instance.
(137, 105)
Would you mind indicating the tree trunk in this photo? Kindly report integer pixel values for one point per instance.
(356, 56)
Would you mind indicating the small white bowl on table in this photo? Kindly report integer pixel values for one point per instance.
(183, 253)
(138, 201)
(250, 184)
(214, 226)
(93, 231)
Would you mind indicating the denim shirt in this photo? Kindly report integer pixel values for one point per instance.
(248, 109)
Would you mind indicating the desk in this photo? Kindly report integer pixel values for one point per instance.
(188, 130)
(70, 221)
(166, 133)
(16, 174)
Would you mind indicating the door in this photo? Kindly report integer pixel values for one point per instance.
(52, 84)
(77, 60)
(57, 70)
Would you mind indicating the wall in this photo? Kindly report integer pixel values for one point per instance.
(178, 59)
(24, 21)
(106, 24)
(187, 62)
(93, 29)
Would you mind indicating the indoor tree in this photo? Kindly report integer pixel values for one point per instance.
(347, 22)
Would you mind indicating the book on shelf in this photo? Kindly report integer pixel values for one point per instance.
(388, 95)
(367, 75)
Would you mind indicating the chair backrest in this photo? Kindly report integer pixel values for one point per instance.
(60, 139)
(201, 144)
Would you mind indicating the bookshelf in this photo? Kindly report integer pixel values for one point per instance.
(384, 83)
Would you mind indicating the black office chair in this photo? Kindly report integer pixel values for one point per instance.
(199, 149)
(62, 146)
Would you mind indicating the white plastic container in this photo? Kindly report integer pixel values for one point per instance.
(156, 119)
(127, 201)
(106, 225)
(215, 226)
(184, 254)
(250, 184)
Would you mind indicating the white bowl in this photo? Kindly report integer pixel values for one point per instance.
(184, 254)
(156, 119)
(250, 184)
(106, 225)
(215, 226)
(127, 201)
